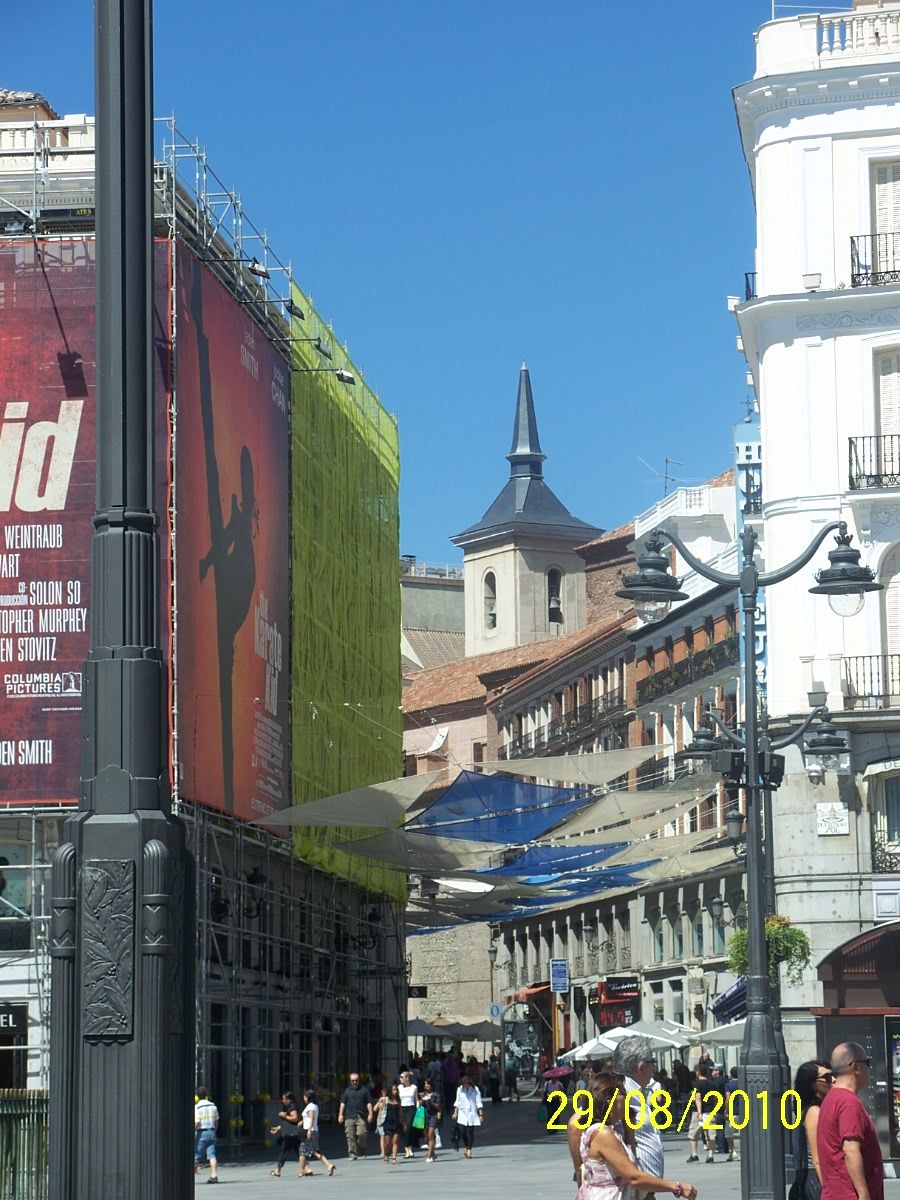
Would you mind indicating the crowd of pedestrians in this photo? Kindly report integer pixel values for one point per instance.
(406, 1111)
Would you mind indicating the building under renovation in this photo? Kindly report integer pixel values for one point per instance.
(277, 477)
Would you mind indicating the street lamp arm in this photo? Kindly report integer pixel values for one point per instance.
(790, 739)
(768, 577)
(734, 738)
(698, 565)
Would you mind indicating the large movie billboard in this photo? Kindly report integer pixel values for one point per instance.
(46, 502)
(47, 432)
(231, 552)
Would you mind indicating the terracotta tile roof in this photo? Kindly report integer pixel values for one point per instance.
(574, 642)
(725, 479)
(458, 682)
(622, 533)
(437, 647)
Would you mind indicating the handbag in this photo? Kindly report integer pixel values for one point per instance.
(418, 1121)
(541, 1114)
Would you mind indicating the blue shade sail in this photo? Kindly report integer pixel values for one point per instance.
(556, 860)
(490, 808)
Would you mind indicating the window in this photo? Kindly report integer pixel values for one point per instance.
(490, 601)
(885, 215)
(658, 942)
(554, 596)
(678, 938)
(698, 934)
(887, 390)
(892, 808)
(718, 946)
(890, 607)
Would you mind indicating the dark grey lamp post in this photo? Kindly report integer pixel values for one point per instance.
(122, 929)
(749, 758)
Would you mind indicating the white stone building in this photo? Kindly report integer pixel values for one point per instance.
(820, 129)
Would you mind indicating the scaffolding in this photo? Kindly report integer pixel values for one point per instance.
(301, 972)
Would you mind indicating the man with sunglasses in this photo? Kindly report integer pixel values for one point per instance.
(849, 1155)
(633, 1058)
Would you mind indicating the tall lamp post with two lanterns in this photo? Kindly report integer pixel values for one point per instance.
(750, 758)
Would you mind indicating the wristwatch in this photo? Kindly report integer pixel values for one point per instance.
(679, 1189)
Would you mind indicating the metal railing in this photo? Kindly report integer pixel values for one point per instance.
(874, 461)
(574, 725)
(873, 681)
(874, 259)
(749, 285)
(23, 1144)
(699, 665)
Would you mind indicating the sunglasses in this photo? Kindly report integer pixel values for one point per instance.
(859, 1061)
(827, 1078)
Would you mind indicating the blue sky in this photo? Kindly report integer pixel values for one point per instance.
(465, 185)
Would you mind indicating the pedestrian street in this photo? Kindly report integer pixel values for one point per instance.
(514, 1160)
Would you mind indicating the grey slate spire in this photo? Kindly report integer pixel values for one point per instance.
(525, 454)
(526, 506)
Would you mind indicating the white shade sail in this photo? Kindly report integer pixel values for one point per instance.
(425, 852)
(626, 806)
(687, 864)
(378, 806)
(594, 770)
(662, 848)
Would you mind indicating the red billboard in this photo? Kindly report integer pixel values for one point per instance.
(47, 433)
(231, 538)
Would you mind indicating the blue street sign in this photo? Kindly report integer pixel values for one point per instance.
(559, 975)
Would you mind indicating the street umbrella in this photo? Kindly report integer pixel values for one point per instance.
(557, 1073)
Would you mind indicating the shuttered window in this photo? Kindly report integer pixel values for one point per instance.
(890, 577)
(886, 197)
(892, 808)
(886, 216)
(887, 380)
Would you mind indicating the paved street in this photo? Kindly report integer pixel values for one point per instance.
(513, 1157)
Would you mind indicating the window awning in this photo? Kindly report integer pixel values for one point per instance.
(881, 768)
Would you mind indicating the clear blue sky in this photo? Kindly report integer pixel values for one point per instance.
(465, 185)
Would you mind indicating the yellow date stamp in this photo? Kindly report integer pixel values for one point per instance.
(733, 1110)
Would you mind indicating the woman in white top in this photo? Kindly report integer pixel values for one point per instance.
(468, 1112)
(409, 1102)
(309, 1147)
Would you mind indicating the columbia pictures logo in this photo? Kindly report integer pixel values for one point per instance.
(45, 683)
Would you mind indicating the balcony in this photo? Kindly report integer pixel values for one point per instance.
(572, 727)
(874, 259)
(874, 462)
(819, 41)
(873, 682)
(690, 670)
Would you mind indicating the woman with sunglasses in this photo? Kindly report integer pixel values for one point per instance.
(608, 1169)
(812, 1084)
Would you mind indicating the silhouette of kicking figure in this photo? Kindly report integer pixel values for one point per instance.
(230, 554)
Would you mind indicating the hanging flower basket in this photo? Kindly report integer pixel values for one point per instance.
(785, 944)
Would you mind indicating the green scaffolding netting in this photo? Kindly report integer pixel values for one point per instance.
(345, 473)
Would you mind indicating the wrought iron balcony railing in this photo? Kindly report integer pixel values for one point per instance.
(698, 666)
(749, 285)
(875, 461)
(873, 681)
(874, 259)
(569, 728)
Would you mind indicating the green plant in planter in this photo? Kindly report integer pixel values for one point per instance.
(784, 943)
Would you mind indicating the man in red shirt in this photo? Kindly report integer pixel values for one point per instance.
(849, 1156)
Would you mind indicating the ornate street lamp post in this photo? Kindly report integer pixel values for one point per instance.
(750, 759)
(121, 938)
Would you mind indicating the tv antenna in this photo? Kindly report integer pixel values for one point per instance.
(665, 475)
